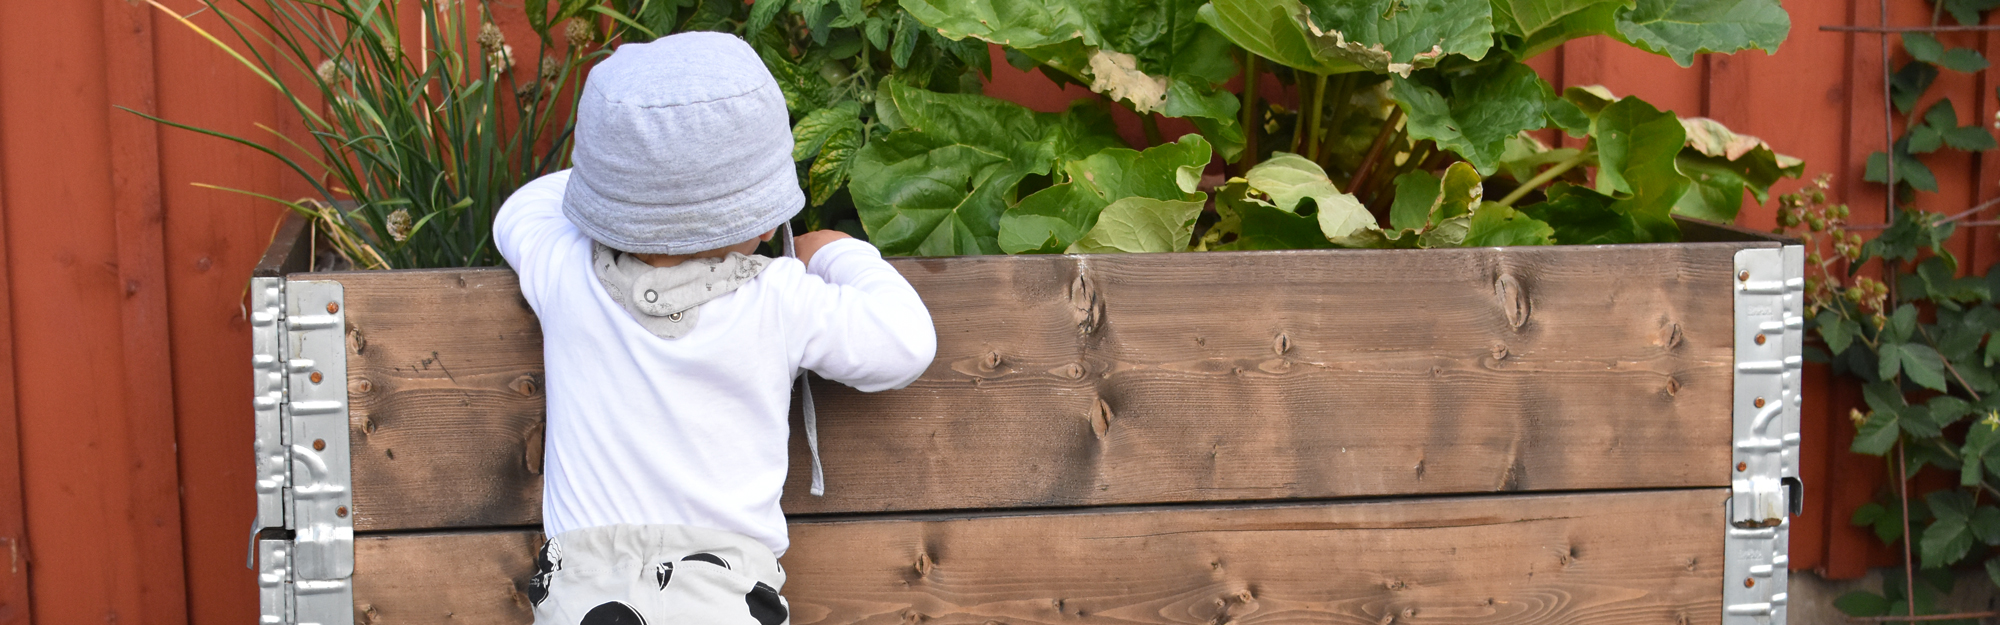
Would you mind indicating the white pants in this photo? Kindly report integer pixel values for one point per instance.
(657, 575)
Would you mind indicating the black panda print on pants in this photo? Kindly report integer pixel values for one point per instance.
(762, 603)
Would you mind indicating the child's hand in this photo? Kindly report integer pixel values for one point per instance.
(806, 244)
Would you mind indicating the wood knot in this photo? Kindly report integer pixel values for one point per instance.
(1395, 584)
(367, 426)
(1100, 418)
(1281, 344)
(1085, 305)
(1673, 386)
(1513, 300)
(359, 386)
(1071, 371)
(1673, 338)
(912, 617)
(1499, 351)
(355, 341)
(924, 565)
(990, 362)
(526, 385)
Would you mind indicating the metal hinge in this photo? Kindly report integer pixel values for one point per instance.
(305, 527)
(1764, 479)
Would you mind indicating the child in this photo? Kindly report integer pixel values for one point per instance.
(670, 351)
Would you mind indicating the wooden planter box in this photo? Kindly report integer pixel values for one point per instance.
(1499, 435)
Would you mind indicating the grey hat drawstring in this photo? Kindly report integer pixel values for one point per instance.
(806, 396)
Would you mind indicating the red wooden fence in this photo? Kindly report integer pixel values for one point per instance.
(125, 417)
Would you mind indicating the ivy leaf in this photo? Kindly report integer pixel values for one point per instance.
(1909, 83)
(1049, 220)
(830, 170)
(1967, 11)
(1949, 537)
(1140, 224)
(1923, 47)
(1878, 434)
(1889, 359)
(1475, 112)
(817, 126)
(1963, 60)
(1923, 365)
(1969, 138)
(1680, 29)
(1863, 603)
(1416, 193)
(1981, 450)
(1838, 331)
(1908, 169)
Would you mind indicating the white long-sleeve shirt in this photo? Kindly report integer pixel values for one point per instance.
(693, 431)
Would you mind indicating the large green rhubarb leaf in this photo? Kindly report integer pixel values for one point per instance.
(1392, 36)
(1681, 29)
(1151, 54)
(1474, 112)
(1636, 145)
(938, 185)
(1722, 165)
(1051, 219)
(1141, 224)
(1285, 202)
(1409, 29)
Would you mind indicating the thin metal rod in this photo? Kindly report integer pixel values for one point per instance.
(1909, 29)
(1903, 488)
(1888, 129)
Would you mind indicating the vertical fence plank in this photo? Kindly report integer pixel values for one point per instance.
(154, 482)
(14, 605)
(212, 240)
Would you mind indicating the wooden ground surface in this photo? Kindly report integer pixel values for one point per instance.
(1070, 381)
(1598, 558)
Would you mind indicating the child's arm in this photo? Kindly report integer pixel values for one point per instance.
(529, 227)
(865, 326)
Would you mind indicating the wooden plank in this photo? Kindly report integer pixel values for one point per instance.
(154, 485)
(290, 251)
(1601, 558)
(15, 606)
(1224, 376)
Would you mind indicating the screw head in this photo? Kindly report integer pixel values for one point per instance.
(332, 307)
(319, 444)
(340, 512)
(1758, 403)
(316, 377)
(1742, 466)
(1749, 582)
(1760, 339)
(1743, 276)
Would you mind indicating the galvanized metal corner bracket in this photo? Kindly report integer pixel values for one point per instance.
(304, 527)
(1764, 479)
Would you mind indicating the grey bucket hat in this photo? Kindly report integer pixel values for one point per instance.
(682, 145)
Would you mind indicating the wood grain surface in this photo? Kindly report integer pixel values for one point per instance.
(1600, 558)
(1089, 380)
